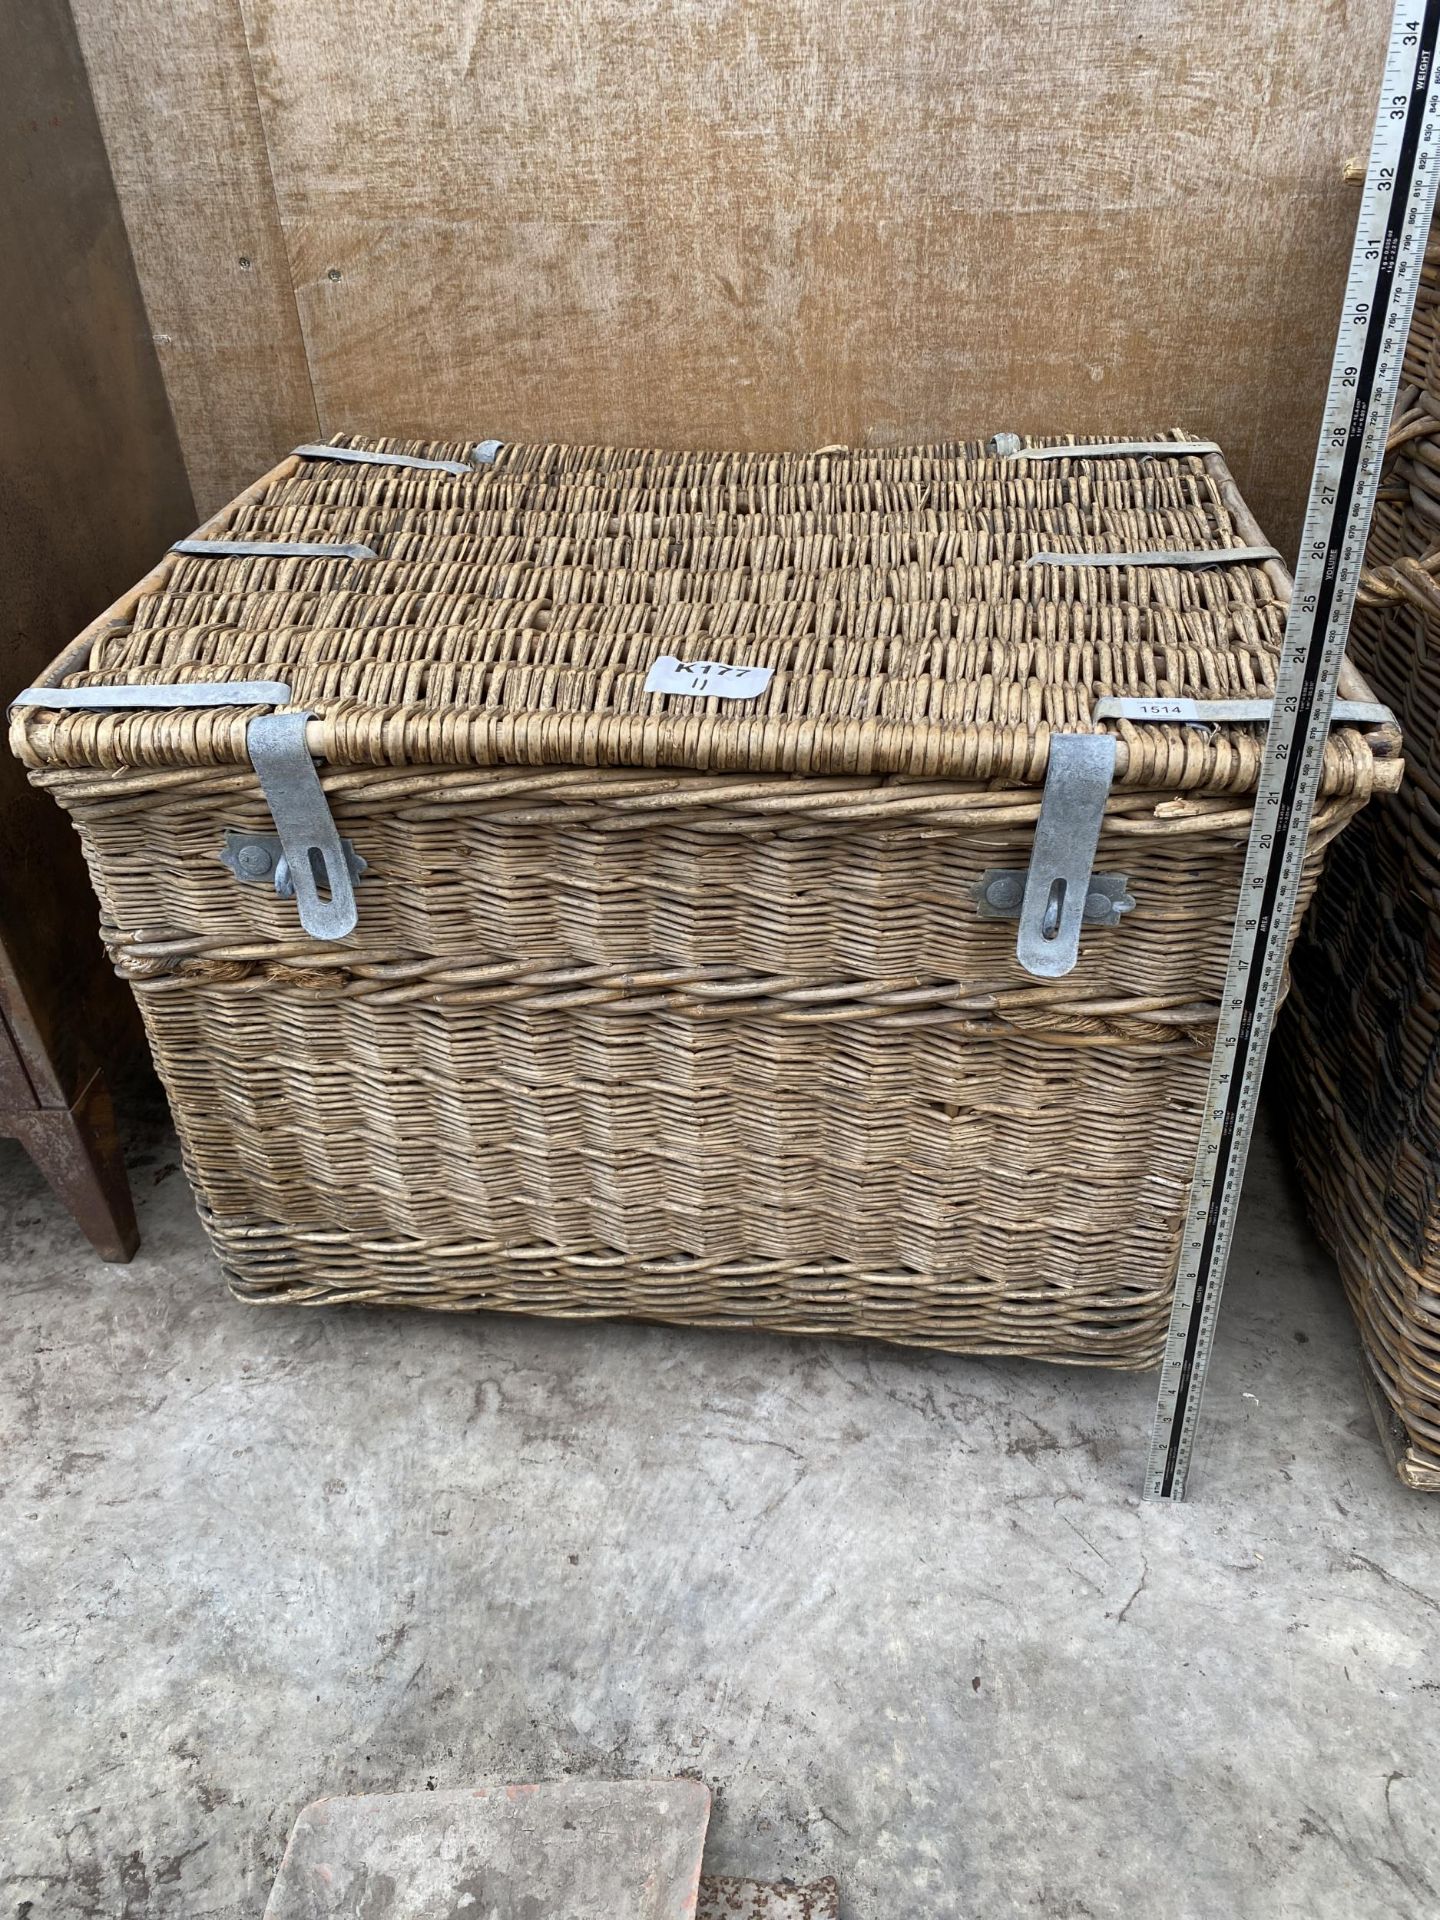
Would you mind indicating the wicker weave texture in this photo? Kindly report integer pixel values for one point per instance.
(511, 616)
(1361, 1042)
(754, 1067)
(658, 1009)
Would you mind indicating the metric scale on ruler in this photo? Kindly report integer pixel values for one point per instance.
(1364, 380)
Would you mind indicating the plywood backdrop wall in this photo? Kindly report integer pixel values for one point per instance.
(91, 489)
(749, 222)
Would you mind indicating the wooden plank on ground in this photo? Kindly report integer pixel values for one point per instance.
(604, 1850)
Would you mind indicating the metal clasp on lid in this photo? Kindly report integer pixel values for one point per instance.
(318, 863)
(317, 866)
(1059, 893)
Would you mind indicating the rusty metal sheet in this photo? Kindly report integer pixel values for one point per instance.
(570, 1850)
(724, 1898)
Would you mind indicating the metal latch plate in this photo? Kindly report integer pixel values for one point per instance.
(1000, 892)
(259, 860)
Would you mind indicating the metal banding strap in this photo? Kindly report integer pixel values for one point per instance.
(1011, 449)
(1205, 713)
(363, 457)
(274, 550)
(485, 452)
(185, 693)
(1190, 557)
(1057, 886)
(319, 869)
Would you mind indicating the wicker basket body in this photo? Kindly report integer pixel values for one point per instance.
(659, 1009)
(1361, 1039)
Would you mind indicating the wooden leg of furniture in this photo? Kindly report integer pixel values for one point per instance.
(78, 1151)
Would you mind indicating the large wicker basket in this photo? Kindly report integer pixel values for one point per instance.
(1361, 1042)
(678, 1006)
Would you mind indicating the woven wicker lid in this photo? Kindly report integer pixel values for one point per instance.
(918, 609)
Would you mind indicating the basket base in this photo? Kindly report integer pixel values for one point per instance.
(1412, 1468)
(267, 1264)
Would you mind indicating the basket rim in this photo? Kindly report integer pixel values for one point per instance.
(350, 733)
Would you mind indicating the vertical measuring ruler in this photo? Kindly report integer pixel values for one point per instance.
(1364, 380)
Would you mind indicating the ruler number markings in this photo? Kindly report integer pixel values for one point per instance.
(1380, 290)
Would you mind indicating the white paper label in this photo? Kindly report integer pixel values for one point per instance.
(1188, 711)
(712, 678)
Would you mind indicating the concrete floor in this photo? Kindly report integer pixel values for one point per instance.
(904, 1613)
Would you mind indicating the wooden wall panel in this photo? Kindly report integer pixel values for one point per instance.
(175, 95)
(92, 488)
(786, 222)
